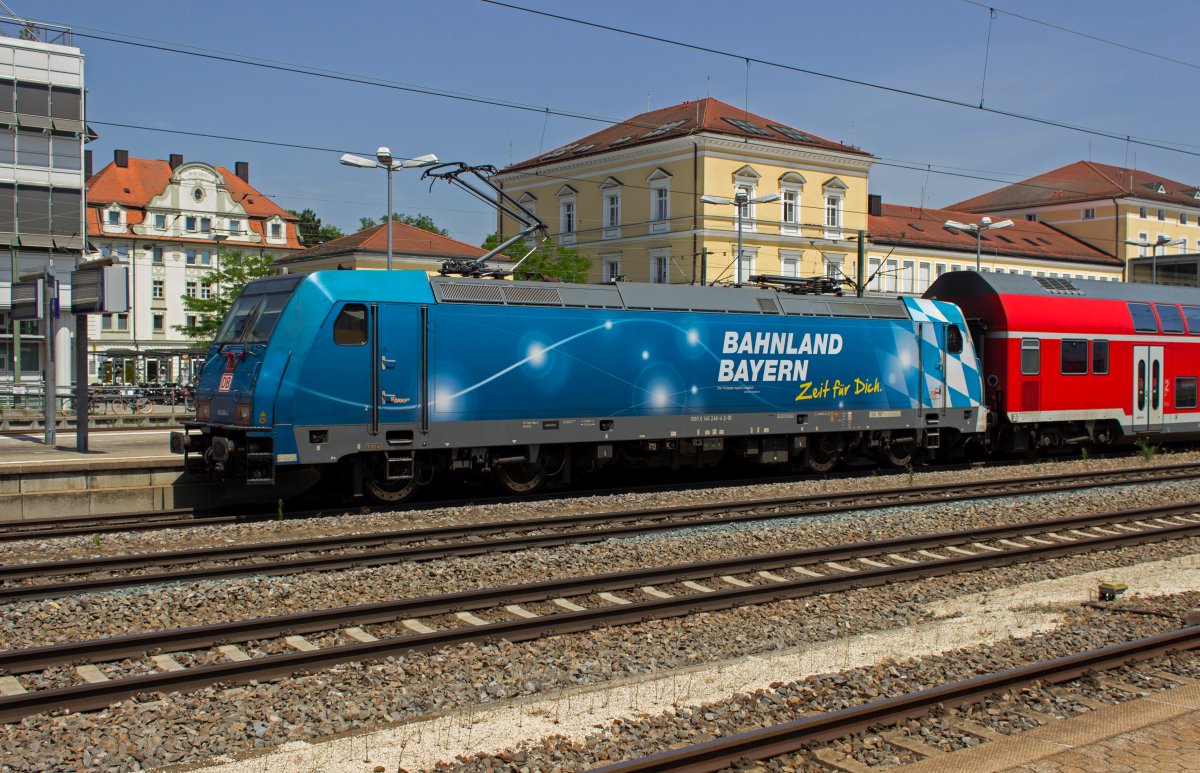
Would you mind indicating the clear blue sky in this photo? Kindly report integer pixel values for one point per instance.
(469, 47)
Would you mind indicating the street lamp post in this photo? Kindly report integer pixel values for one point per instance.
(984, 224)
(384, 160)
(1162, 241)
(741, 200)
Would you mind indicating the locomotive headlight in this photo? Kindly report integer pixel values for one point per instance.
(242, 413)
(203, 410)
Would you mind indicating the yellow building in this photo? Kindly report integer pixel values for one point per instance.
(1126, 213)
(628, 197)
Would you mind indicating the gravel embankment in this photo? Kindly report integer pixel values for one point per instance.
(357, 696)
(131, 610)
(1083, 630)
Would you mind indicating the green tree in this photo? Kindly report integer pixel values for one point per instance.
(310, 229)
(548, 261)
(422, 221)
(225, 283)
(365, 222)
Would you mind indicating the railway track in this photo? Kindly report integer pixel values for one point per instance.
(789, 737)
(26, 582)
(192, 658)
(152, 520)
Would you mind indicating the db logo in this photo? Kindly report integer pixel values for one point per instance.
(226, 382)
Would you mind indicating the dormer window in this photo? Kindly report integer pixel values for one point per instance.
(276, 230)
(114, 217)
(160, 222)
(235, 227)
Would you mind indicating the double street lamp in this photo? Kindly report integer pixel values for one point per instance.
(741, 200)
(384, 160)
(1162, 241)
(984, 224)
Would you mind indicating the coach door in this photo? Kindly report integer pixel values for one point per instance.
(1147, 388)
(399, 368)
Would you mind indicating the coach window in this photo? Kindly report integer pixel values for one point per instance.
(1031, 356)
(1172, 321)
(1185, 392)
(1143, 318)
(1100, 358)
(1192, 315)
(1074, 357)
(350, 327)
(954, 340)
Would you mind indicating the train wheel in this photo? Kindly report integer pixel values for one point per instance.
(520, 478)
(388, 492)
(819, 458)
(897, 455)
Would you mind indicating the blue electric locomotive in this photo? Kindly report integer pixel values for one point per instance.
(386, 379)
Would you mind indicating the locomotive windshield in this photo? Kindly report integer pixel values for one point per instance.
(252, 318)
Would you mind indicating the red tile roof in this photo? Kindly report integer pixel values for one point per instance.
(1082, 181)
(406, 240)
(916, 227)
(704, 115)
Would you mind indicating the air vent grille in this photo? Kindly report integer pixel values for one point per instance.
(539, 296)
(1057, 285)
(768, 305)
(471, 293)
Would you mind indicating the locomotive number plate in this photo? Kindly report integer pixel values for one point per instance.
(226, 382)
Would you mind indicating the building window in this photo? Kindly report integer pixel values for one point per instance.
(612, 267)
(789, 264)
(833, 266)
(189, 222)
(156, 254)
(160, 222)
(1183, 218)
(1089, 213)
(1031, 217)
(190, 320)
(1143, 212)
(191, 257)
(205, 258)
(749, 263)
(106, 321)
(612, 209)
(276, 230)
(235, 227)
(205, 224)
(114, 217)
(158, 288)
(566, 216)
(891, 275)
(791, 207)
(205, 291)
(922, 277)
(198, 194)
(660, 201)
(160, 323)
(191, 289)
(833, 211)
(1162, 214)
(1031, 356)
(122, 322)
(908, 275)
(659, 265)
(1143, 237)
(874, 274)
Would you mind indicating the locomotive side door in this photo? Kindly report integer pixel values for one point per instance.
(1147, 388)
(399, 369)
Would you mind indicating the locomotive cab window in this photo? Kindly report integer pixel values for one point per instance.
(954, 340)
(1143, 318)
(1074, 357)
(1100, 358)
(1192, 315)
(1031, 356)
(350, 327)
(1172, 320)
(1185, 392)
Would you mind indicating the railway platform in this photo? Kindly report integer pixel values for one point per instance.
(124, 471)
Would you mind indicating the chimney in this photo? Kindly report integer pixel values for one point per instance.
(121, 158)
(874, 204)
(87, 164)
(176, 161)
(242, 170)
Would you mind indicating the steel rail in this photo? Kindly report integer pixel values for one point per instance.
(789, 737)
(92, 696)
(661, 520)
(26, 660)
(86, 525)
